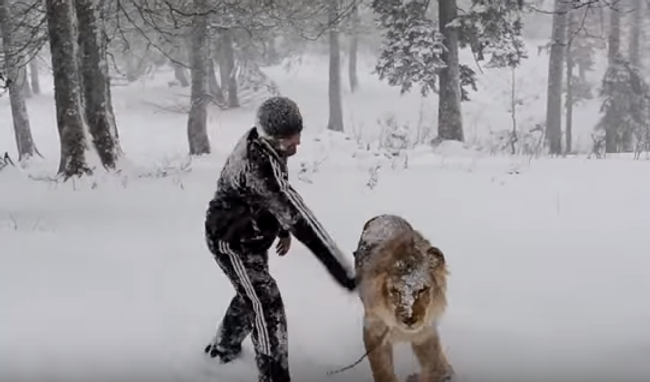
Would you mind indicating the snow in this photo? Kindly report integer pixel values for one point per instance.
(412, 274)
(382, 228)
(414, 280)
(110, 279)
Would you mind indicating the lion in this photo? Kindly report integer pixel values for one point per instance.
(402, 282)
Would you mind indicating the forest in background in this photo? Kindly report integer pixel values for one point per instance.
(219, 49)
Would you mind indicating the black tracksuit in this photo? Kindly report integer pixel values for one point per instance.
(253, 205)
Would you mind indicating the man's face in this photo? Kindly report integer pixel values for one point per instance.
(289, 145)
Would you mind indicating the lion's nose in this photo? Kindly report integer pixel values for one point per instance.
(409, 320)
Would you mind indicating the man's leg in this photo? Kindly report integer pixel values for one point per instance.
(235, 326)
(259, 289)
(237, 322)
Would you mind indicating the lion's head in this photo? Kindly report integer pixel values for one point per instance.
(415, 283)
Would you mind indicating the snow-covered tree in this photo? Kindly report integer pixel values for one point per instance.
(13, 65)
(199, 142)
(636, 29)
(492, 29)
(335, 119)
(555, 73)
(412, 46)
(353, 46)
(583, 41)
(418, 50)
(625, 106)
(72, 127)
(95, 81)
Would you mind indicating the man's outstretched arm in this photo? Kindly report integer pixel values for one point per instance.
(265, 180)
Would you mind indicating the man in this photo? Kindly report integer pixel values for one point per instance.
(254, 204)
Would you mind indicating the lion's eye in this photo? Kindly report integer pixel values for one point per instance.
(393, 290)
(421, 292)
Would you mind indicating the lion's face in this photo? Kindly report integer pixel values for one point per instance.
(404, 283)
(409, 291)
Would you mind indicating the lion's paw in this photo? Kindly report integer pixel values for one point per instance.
(449, 376)
(415, 377)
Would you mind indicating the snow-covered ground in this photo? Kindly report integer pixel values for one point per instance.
(110, 279)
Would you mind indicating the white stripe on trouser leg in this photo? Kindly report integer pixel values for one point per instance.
(259, 320)
(306, 212)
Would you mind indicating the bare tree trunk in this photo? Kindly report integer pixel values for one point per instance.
(635, 33)
(614, 38)
(272, 56)
(67, 90)
(568, 128)
(131, 67)
(227, 66)
(213, 84)
(555, 72)
(513, 110)
(24, 81)
(179, 69)
(353, 49)
(179, 74)
(197, 135)
(33, 71)
(96, 84)
(635, 60)
(104, 13)
(335, 122)
(109, 102)
(224, 72)
(450, 120)
(22, 129)
(636, 13)
(611, 137)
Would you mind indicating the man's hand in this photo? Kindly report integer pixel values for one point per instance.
(351, 284)
(284, 243)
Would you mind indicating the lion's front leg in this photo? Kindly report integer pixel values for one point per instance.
(380, 356)
(433, 361)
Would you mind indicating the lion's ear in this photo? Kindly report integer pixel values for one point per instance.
(436, 257)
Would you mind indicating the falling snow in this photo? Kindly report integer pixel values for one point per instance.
(156, 291)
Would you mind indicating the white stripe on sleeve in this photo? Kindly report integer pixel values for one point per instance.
(297, 201)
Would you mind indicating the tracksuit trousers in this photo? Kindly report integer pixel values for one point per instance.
(256, 309)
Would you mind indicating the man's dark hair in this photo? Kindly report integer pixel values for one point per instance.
(279, 117)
